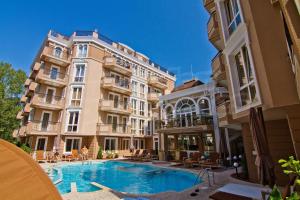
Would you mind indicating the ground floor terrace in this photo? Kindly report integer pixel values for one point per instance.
(65, 144)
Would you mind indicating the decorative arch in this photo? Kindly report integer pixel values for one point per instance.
(186, 103)
(57, 51)
(169, 111)
(204, 105)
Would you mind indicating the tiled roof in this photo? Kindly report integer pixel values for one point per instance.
(188, 84)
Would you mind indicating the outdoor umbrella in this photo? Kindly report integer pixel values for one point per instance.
(263, 159)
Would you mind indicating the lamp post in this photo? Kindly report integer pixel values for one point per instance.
(236, 165)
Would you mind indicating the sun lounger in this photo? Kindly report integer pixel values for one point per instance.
(193, 160)
(137, 152)
(140, 156)
(233, 191)
(39, 156)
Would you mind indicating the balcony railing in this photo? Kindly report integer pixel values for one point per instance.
(48, 101)
(218, 67)
(213, 29)
(119, 65)
(117, 85)
(188, 121)
(47, 127)
(56, 55)
(113, 129)
(120, 107)
(158, 82)
(153, 96)
(209, 5)
(52, 77)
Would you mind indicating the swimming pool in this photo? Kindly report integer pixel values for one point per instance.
(123, 177)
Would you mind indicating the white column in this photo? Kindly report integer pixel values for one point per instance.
(215, 118)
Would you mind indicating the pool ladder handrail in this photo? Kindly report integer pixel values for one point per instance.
(202, 173)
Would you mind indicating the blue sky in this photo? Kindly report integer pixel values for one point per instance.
(170, 32)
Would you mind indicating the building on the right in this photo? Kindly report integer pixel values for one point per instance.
(258, 45)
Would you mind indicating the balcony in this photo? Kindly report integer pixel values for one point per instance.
(117, 85)
(209, 5)
(153, 97)
(42, 128)
(213, 31)
(20, 132)
(56, 56)
(53, 78)
(115, 107)
(26, 109)
(157, 82)
(189, 124)
(49, 102)
(31, 88)
(224, 114)
(121, 130)
(23, 99)
(118, 65)
(27, 82)
(19, 115)
(218, 67)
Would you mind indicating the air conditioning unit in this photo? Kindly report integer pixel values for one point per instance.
(274, 2)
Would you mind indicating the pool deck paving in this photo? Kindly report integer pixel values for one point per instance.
(221, 177)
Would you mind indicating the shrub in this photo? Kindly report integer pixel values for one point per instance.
(26, 148)
(116, 155)
(100, 155)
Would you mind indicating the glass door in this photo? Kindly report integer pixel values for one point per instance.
(54, 73)
(45, 121)
(41, 144)
(49, 96)
(113, 120)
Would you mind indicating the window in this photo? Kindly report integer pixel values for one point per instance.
(79, 72)
(54, 73)
(41, 144)
(142, 108)
(232, 14)
(133, 125)
(142, 144)
(72, 143)
(135, 70)
(142, 72)
(141, 127)
(142, 90)
(76, 96)
(57, 52)
(247, 89)
(134, 106)
(149, 127)
(125, 145)
(149, 109)
(204, 107)
(82, 50)
(185, 113)
(110, 144)
(134, 88)
(113, 121)
(73, 121)
(136, 143)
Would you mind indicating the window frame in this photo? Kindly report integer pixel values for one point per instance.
(75, 72)
(71, 96)
(80, 55)
(72, 138)
(68, 120)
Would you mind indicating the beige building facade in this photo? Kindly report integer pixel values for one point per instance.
(87, 90)
(257, 66)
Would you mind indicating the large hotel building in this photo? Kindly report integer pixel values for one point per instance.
(258, 45)
(86, 90)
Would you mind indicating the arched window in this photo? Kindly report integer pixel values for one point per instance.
(204, 107)
(57, 52)
(185, 106)
(185, 113)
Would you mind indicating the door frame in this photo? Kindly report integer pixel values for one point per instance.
(42, 116)
(37, 139)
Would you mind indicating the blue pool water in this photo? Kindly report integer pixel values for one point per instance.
(123, 177)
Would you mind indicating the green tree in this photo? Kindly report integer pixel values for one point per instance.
(11, 88)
